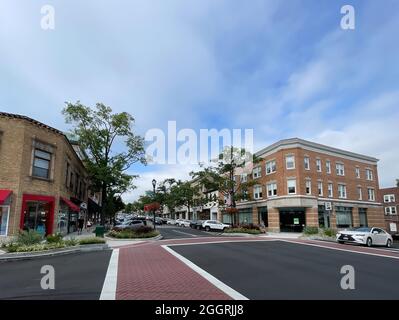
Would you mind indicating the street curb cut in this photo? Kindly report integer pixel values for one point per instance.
(55, 252)
(158, 237)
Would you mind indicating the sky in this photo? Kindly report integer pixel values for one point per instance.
(282, 68)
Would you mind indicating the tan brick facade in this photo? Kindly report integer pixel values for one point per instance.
(20, 137)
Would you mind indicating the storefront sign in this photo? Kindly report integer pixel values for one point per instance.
(392, 227)
(296, 220)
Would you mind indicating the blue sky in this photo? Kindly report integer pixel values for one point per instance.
(284, 68)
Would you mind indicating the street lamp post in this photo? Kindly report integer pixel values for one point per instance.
(154, 183)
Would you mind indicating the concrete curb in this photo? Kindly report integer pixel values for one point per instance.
(158, 237)
(237, 234)
(55, 252)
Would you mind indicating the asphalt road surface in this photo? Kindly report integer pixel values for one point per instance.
(77, 276)
(281, 270)
(174, 232)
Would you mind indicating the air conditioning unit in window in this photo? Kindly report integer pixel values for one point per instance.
(328, 206)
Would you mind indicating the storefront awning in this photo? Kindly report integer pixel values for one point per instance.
(4, 194)
(71, 205)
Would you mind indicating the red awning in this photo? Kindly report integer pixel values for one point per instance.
(71, 205)
(4, 194)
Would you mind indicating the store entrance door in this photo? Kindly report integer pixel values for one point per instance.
(292, 219)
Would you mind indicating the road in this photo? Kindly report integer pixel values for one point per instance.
(281, 270)
(77, 276)
(174, 232)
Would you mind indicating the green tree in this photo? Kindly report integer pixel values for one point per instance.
(221, 176)
(101, 133)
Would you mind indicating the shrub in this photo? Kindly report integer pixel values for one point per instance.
(91, 240)
(249, 226)
(242, 230)
(129, 234)
(35, 247)
(71, 242)
(330, 232)
(144, 229)
(29, 237)
(54, 238)
(311, 230)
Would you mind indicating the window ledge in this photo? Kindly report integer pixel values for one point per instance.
(41, 179)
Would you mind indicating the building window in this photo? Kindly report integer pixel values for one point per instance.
(258, 192)
(308, 187)
(371, 194)
(389, 198)
(330, 190)
(291, 186)
(68, 168)
(363, 217)
(306, 162)
(344, 217)
(271, 189)
(340, 169)
(390, 211)
(290, 162)
(342, 191)
(4, 215)
(244, 178)
(359, 193)
(244, 195)
(41, 164)
(328, 166)
(369, 174)
(320, 188)
(318, 165)
(71, 182)
(245, 216)
(357, 170)
(256, 173)
(271, 167)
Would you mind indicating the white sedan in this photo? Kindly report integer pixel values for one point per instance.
(214, 225)
(365, 236)
(183, 223)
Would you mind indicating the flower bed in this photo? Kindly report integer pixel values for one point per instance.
(243, 230)
(129, 234)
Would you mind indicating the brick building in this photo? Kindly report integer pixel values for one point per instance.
(390, 199)
(300, 183)
(43, 182)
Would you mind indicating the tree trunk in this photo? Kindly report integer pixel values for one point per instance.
(104, 204)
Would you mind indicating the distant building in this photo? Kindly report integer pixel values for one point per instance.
(390, 199)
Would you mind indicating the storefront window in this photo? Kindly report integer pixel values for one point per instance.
(245, 216)
(36, 216)
(344, 217)
(62, 220)
(363, 217)
(227, 218)
(4, 213)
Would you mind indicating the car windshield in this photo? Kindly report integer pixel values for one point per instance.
(362, 229)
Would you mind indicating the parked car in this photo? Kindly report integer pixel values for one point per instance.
(177, 222)
(158, 221)
(365, 236)
(131, 225)
(184, 223)
(214, 225)
(196, 224)
(171, 222)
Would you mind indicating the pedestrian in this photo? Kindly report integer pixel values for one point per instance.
(80, 225)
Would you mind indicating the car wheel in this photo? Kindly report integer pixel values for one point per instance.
(389, 243)
(223, 230)
(369, 242)
(207, 229)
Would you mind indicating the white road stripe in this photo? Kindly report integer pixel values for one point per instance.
(340, 249)
(109, 288)
(217, 283)
(189, 234)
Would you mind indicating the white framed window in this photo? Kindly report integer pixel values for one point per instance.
(318, 165)
(291, 186)
(357, 172)
(328, 166)
(371, 194)
(290, 162)
(244, 177)
(340, 169)
(4, 216)
(271, 189)
(257, 192)
(390, 211)
(330, 189)
(308, 187)
(306, 163)
(389, 198)
(369, 174)
(271, 166)
(359, 193)
(257, 172)
(342, 191)
(320, 188)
